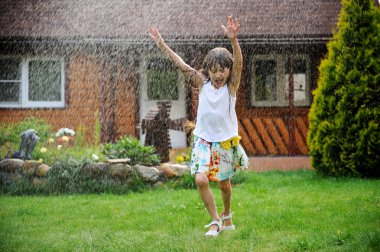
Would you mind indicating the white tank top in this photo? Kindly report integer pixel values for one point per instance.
(216, 116)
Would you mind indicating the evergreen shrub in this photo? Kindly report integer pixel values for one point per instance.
(344, 135)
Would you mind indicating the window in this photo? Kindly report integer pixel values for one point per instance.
(299, 81)
(32, 82)
(265, 80)
(162, 80)
(270, 80)
(10, 80)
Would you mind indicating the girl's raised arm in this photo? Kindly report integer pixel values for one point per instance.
(187, 70)
(231, 32)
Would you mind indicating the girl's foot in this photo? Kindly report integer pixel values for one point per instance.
(215, 228)
(227, 221)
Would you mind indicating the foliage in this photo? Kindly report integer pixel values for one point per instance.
(11, 132)
(49, 149)
(66, 177)
(273, 211)
(10, 135)
(81, 136)
(129, 147)
(344, 135)
(184, 182)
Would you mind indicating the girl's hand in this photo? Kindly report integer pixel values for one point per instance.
(156, 36)
(232, 28)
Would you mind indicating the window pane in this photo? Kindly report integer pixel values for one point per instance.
(44, 80)
(299, 79)
(265, 81)
(299, 66)
(9, 91)
(162, 80)
(10, 69)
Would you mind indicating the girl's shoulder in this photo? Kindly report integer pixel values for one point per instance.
(203, 84)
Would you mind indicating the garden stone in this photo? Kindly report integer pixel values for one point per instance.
(158, 184)
(9, 178)
(11, 165)
(39, 181)
(42, 170)
(120, 170)
(15, 177)
(30, 167)
(167, 170)
(120, 160)
(94, 170)
(180, 169)
(147, 174)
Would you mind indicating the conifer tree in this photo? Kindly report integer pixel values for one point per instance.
(344, 134)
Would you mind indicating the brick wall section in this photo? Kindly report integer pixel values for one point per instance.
(83, 99)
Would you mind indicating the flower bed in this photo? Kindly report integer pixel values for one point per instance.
(63, 162)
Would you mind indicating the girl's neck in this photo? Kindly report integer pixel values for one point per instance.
(217, 86)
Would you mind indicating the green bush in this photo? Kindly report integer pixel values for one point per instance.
(129, 147)
(344, 135)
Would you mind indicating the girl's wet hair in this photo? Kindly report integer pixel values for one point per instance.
(217, 56)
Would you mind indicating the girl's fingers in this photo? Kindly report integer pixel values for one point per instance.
(153, 32)
(229, 20)
(236, 24)
(232, 27)
(232, 23)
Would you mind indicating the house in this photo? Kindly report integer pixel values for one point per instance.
(72, 63)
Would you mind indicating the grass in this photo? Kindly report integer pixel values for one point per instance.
(273, 211)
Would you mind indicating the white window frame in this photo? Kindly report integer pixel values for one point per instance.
(24, 101)
(281, 80)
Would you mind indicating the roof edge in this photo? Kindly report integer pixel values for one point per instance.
(274, 39)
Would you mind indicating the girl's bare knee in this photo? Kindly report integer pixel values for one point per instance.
(225, 185)
(201, 180)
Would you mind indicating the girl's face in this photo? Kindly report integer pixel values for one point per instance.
(219, 75)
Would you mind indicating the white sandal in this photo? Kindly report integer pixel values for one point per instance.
(228, 217)
(214, 232)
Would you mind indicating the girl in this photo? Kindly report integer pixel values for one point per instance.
(216, 150)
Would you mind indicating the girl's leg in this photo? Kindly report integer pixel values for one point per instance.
(226, 191)
(207, 197)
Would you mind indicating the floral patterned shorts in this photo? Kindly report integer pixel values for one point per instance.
(216, 162)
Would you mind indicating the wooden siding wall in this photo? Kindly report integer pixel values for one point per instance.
(265, 133)
(118, 100)
(127, 101)
(83, 98)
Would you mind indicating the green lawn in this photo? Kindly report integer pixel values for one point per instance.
(273, 211)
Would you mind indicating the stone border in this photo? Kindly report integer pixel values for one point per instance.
(12, 170)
